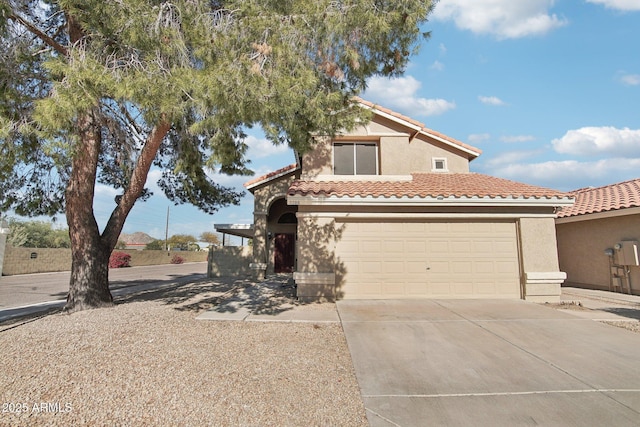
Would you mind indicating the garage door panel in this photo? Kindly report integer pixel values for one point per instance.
(461, 267)
(415, 248)
(436, 259)
(369, 246)
(393, 267)
(394, 246)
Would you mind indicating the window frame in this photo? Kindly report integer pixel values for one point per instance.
(354, 145)
(434, 162)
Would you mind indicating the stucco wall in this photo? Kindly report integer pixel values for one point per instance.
(3, 244)
(19, 260)
(230, 261)
(396, 156)
(581, 247)
(538, 243)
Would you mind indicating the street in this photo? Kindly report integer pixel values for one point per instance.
(19, 294)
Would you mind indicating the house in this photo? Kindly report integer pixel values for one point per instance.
(390, 210)
(598, 238)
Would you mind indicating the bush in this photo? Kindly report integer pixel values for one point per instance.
(119, 260)
(177, 259)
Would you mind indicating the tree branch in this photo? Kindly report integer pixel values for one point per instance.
(138, 179)
(40, 34)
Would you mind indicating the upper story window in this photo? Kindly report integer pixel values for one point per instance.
(355, 158)
(439, 164)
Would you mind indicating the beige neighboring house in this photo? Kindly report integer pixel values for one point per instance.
(391, 210)
(598, 238)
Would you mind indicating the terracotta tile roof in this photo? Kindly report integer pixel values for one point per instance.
(602, 199)
(426, 185)
(420, 125)
(271, 175)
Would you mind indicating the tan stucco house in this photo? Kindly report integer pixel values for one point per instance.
(390, 210)
(598, 238)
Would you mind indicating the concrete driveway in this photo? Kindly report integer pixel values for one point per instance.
(490, 363)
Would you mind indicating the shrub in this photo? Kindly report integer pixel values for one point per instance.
(177, 259)
(119, 260)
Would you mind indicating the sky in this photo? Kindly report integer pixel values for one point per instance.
(548, 90)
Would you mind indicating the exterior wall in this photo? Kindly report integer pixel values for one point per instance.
(539, 259)
(19, 261)
(315, 254)
(581, 247)
(229, 261)
(397, 155)
(264, 197)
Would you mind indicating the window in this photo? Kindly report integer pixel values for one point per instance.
(439, 165)
(355, 158)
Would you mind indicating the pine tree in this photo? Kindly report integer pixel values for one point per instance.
(100, 90)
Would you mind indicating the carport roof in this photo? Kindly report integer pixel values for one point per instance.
(441, 187)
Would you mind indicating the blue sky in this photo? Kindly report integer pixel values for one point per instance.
(549, 90)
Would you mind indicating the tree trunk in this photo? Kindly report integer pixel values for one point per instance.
(89, 283)
(90, 251)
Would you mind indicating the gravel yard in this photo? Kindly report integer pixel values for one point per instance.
(147, 361)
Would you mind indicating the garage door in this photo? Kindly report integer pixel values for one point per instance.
(436, 259)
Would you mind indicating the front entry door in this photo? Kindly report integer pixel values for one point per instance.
(284, 253)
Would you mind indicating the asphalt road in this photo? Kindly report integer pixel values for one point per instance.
(29, 293)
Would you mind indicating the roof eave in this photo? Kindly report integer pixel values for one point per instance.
(421, 130)
(251, 186)
(311, 200)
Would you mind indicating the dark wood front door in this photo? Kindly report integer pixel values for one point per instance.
(284, 253)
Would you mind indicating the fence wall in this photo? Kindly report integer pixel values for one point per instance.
(230, 261)
(42, 260)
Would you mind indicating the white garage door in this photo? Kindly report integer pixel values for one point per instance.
(435, 259)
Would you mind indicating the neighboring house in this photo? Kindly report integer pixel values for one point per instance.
(598, 238)
(391, 210)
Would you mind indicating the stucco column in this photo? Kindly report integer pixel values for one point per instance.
(542, 276)
(259, 264)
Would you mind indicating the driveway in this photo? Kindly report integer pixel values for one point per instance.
(490, 363)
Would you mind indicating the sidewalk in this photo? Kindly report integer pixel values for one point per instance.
(602, 305)
(271, 300)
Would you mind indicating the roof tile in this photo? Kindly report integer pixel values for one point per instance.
(270, 175)
(602, 199)
(425, 185)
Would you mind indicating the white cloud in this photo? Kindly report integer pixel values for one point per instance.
(437, 65)
(491, 100)
(607, 140)
(475, 138)
(629, 79)
(517, 138)
(504, 19)
(624, 5)
(571, 174)
(262, 147)
(401, 94)
(443, 48)
(510, 157)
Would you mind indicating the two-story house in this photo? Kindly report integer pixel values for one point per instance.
(390, 210)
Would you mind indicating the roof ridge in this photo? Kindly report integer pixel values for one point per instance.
(268, 175)
(418, 124)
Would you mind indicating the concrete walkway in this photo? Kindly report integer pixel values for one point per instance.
(602, 305)
(271, 300)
